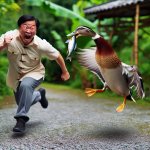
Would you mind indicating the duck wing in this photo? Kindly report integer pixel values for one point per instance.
(86, 58)
(134, 79)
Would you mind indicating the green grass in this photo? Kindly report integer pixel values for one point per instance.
(55, 86)
(106, 95)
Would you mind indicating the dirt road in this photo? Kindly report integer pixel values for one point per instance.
(75, 122)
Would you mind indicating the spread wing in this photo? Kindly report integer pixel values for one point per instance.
(134, 79)
(86, 58)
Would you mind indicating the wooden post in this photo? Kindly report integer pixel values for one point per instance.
(99, 26)
(135, 51)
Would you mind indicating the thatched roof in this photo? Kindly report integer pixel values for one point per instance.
(119, 8)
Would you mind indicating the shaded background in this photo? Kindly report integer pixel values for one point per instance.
(58, 18)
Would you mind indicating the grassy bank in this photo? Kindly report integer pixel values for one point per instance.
(106, 95)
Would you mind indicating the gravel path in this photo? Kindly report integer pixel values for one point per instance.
(75, 122)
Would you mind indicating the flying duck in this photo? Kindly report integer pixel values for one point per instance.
(103, 61)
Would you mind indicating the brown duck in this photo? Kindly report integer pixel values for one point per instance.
(104, 62)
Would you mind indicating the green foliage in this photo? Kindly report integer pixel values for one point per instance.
(53, 71)
(77, 82)
(57, 11)
(57, 21)
(8, 14)
(4, 90)
(34, 2)
(8, 5)
(58, 40)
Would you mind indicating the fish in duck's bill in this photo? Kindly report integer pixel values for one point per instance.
(71, 46)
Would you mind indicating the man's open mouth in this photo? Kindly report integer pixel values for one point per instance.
(27, 36)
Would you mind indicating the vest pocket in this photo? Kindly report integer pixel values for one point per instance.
(12, 53)
(31, 61)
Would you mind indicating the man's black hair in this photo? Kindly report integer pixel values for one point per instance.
(25, 18)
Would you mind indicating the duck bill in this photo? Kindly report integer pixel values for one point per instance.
(75, 33)
(71, 34)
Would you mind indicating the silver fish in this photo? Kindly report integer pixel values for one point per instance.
(71, 46)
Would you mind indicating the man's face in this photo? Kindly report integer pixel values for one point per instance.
(27, 31)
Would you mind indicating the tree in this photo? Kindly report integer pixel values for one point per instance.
(6, 7)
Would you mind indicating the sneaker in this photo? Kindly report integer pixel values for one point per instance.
(20, 126)
(43, 101)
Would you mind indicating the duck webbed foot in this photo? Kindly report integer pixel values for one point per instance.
(90, 91)
(121, 107)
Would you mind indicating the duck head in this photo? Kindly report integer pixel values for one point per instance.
(82, 31)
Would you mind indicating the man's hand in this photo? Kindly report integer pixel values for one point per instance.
(65, 76)
(7, 39)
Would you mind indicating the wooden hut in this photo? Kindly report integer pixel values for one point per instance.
(121, 9)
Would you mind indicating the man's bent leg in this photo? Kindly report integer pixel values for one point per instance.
(25, 97)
